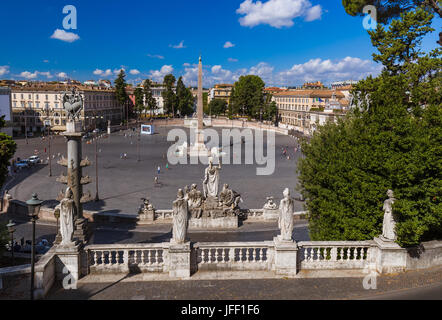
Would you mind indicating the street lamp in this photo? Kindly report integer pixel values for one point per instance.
(11, 231)
(34, 206)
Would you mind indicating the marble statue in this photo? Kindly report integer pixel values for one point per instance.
(72, 104)
(195, 201)
(270, 204)
(180, 218)
(67, 214)
(211, 180)
(286, 220)
(389, 224)
(229, 198)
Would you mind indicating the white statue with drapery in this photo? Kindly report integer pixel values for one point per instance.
(211, 180)
(389, 224)
(286, 220)
(180, 218)
(67, 215)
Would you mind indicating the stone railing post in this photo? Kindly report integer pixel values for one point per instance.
(389, 256)
(286, 257)
(179, 260)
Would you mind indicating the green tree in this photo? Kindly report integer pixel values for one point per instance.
(392, 139)
(390, 9)
(120, 91)
(139, 101)
(7, 151)
(169, 95)
(218, 106)
(247, 97)
(184, 97)
(150, 101)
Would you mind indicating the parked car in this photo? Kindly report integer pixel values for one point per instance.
(34, 160)
(22, 164)
(30, 134)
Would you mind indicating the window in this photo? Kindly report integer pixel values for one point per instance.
(56, 105)
(30, 96)
(15, 104)
(15, 96)
(47, 97)
(22, 96)
(30, 104)
(37, 105)
(36, 96)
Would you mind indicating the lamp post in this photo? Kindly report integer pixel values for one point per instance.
(34, 205)
(11, 231)
(49, 149)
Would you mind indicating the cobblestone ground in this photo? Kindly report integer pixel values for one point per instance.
(411, 285)
(122, 183)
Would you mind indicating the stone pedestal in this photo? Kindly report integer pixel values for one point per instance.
(270, 214)
(389, 256)
(179, 260)
(214, 223)
(286, 255)
(147, 216)
(68, 265)
(82, 231)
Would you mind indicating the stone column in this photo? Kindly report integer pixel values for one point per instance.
(74, 175)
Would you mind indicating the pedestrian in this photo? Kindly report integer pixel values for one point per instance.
(156, 180)
(167, 166)
(159, 170)
(125, 156)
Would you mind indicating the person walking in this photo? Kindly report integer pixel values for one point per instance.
(167, 166)
(159, 170)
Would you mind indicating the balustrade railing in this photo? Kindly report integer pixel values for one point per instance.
(150, 257)
(235, 255)
(334, 254)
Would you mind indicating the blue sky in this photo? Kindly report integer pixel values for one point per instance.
(286, 42)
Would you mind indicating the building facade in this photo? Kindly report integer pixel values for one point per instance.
(221, 91)
(38, 106)
(304, 110)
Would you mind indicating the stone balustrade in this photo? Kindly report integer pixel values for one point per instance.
(150, 257)
(234, 255)
(335, 254)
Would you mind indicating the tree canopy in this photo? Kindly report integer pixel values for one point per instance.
(217, 106)
(184, 97)
(247, 97)
(392, 139)
(390, 9)
(149, 100)
(169, 95)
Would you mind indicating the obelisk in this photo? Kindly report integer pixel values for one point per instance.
(199, 148)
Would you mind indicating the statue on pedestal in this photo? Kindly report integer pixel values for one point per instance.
(72, 104)
(67, 214)
(229, 198)
(211, 180)
(286, 220)
(270, 204)
(195, 202)
(389, 224)
(180, 218)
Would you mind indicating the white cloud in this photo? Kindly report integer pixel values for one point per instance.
(186, 64)
(134, 72)
(178, 46)
(277, 13)
(4, 70)
(98, 72)
(64, 36)
(228, 44)
(29, 75)
(155, 56)
(327, 70)
(314, 13)
(62, 75)
(232, 60)
(158, 75)
(117, 71)
(33, 75)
